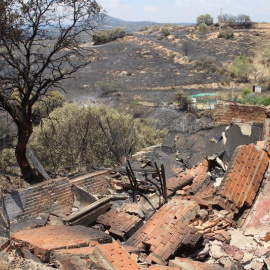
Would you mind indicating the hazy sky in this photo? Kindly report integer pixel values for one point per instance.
(176, 11)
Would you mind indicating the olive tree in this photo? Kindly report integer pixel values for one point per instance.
(40, 45)
(206, 18)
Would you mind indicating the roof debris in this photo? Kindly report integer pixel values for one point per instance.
(201, 201)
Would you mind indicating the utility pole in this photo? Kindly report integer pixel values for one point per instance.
(220, 19)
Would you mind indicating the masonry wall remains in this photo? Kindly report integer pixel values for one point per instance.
(226, 113)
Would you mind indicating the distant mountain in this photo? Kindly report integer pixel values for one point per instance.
(111, 22)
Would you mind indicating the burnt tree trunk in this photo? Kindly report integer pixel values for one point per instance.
(24, 132)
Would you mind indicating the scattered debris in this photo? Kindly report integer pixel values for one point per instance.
(202, 208)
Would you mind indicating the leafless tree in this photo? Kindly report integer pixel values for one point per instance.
(41, 43)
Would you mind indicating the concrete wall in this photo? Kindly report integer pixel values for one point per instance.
(226, 113)
(94, 183)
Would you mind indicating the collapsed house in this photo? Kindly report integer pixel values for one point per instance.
(200, 201)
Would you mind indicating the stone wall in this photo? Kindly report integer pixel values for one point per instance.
(226, 113)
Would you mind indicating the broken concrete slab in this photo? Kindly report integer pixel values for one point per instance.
(81, 197)
(188, 264)
(240, 241)
(4, 242)
(77, 258)
(88, 215)
(41, 241)
(257, 223)
(29, 222)
(149, 204)
(4, 226)
(133, 208)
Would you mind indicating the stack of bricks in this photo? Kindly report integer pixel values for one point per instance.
(176, 183)
(94, 183)
(243, 177)
(45, 197)
(200, 174)
(42, 241)
(167, 229)
(226, 113)
(121, 225)
(113, 256)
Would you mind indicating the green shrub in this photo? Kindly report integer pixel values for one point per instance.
(107, 88)
(72, 135)
(241, 68)
(266, 58)
(43, 108)
(7, 160)
(225, 80)
(207, 62)
(144, 28)
(183, 100)
(245, 92)
(231, 20)
(206, 19)
(165, 31)
(252, 99)
(155, 28)
(203, 29)
(266, 101)
(226, 34)
(167, 25)
(104, 36)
